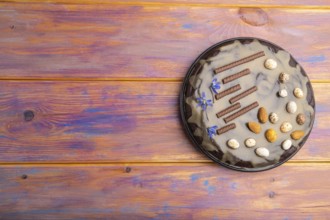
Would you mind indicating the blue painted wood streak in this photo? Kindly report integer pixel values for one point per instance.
(100, 191)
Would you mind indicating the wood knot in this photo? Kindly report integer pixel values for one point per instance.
(28, 115)
(128, 169)
(271, 194)
(24, 176)
(253, 16)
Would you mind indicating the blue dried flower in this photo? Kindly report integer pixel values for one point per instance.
(212, 131)
(215, 85)
(203, 102)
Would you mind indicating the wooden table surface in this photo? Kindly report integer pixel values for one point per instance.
(89, 117)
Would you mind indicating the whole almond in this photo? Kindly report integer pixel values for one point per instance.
(254, 127)
(262, 115)
(271, 135)
(296, 135)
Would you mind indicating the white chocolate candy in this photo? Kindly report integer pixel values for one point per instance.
(262, 152)
(285, 127)
(233, 143)
(283, 93)
(250, 142)
(298, 93)
(286, 145)
(273, 118)
(284, 77)
(291, 107)
(270, 64)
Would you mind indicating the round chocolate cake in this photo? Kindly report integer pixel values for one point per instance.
(247, 104)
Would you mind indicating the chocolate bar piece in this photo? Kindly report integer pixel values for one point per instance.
(236, 76)
(226, 128)
(243, 94)
(229, 109)
(239, 62)
(241, 112)
(227, 91)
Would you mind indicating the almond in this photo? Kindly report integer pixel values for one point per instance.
(254, 127)
(271, 135)
(296, 135)
(262, 115)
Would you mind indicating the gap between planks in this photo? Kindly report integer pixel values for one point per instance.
(97, 79)
(144, 163)
(175, 4)
(324, 81)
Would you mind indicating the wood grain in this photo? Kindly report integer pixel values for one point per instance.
(172, 191)
(98, 138)
(112, 121)
(63, 41)
(222, 3)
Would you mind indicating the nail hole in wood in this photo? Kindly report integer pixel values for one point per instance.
(12, 27)
(28, 115)
(271, 194)
(128, 169)
(24, 176)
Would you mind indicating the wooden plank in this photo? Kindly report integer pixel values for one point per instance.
(223, 3)
(172, 191)
(52, 41)
(112, 121)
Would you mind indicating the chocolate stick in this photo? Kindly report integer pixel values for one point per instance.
(227, 91)
(241, 112)
(229, 109)
(236, 76)
(239, 62)
(226, 128)
(243, 94)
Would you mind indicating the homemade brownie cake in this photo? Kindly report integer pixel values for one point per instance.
(247, 104)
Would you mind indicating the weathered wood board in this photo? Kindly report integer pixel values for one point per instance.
(164, 191)
(315, 4)
(52, 41)
(89, 115)
(112, 121)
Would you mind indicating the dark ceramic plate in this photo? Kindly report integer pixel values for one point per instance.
(218, 152)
